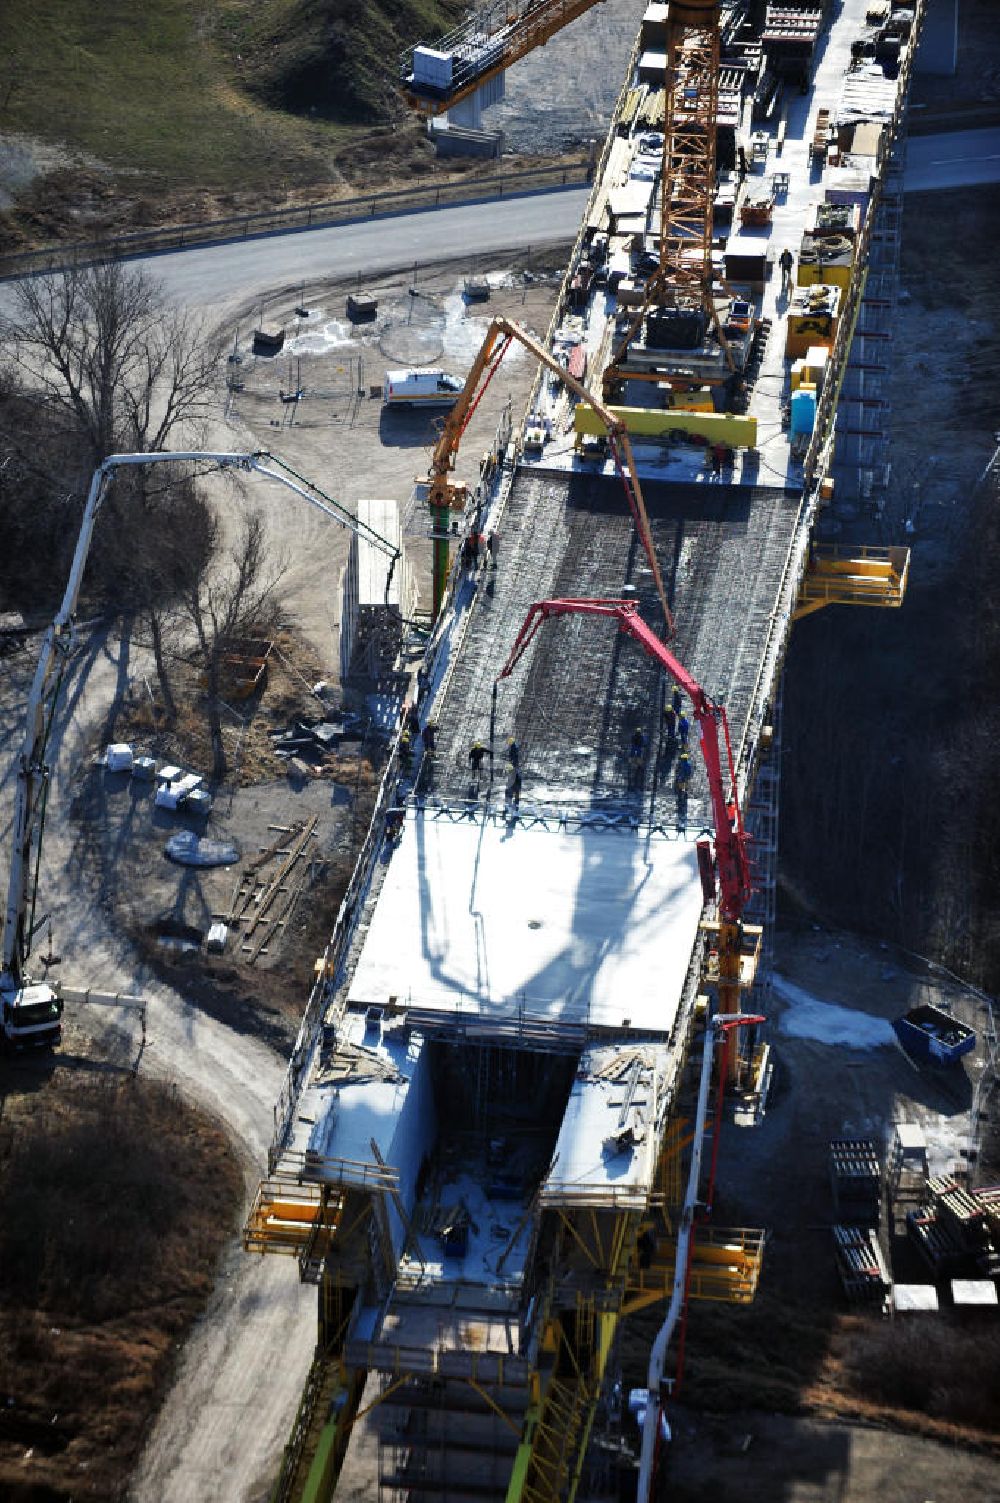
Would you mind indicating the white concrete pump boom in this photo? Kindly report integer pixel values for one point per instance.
(32, 771)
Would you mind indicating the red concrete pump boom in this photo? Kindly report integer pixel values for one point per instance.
(731, 853)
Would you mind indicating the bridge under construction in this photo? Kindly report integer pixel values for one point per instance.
(544, 982)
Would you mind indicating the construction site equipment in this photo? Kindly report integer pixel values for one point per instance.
(930, 1034)
(444, 495)
(757, 210)
(264, 898)
(731, 857)
(31, 1011)
(718, 1031)
(856, 1181)
(681, 286)
(861, 1266)
(856, 576)
(243, 666)
(821, 136)
(436, 79)
(937, 1241)
(725, 1267)
(677, 425)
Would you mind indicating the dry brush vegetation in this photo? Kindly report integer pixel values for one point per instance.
(120, 1198)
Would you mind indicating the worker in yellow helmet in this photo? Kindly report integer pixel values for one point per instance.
(682, 773)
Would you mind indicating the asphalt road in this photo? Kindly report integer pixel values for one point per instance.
(216, 274)
(213, 275)
(960, 159)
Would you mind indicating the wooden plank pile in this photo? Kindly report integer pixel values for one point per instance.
(268, 889)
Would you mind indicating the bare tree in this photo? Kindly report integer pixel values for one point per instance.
(107, 366)
(234, 601)
(107, 352)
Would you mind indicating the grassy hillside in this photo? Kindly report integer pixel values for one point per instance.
(231, 96)
(331, 58)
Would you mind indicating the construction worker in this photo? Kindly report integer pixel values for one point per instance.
(492, 550)
(683, 730)
(513, 754)
(676, 699)
(636, 758)
(670, 721)
(405, 751)
(423, 682)
(682, 773)
(477, 752)
(786, 261)
(412, 721)
(429, 737)
(394, 825)
(513, 791)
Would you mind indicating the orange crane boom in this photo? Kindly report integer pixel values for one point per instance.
(444, 494)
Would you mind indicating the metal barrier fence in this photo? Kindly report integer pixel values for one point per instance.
(302, 217)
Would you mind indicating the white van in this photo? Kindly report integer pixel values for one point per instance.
(421, 389)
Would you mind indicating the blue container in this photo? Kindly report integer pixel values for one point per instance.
(928, 1033)
(803, 411)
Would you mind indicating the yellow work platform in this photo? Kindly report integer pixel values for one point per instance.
(287, 1217)
(750, 954)
(859, 576)
(725, 1266)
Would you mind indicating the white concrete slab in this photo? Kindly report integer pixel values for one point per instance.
(589, 1167)
(485, 921)
(907, 1297)
(965, 1292)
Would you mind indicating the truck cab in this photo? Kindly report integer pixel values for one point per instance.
(30, 1015)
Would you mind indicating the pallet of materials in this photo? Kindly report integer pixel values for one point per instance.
(962, 1211)
(860, 1265)
(856, 1181)
(936, 1241)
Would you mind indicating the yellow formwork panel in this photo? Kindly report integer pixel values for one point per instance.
(812, 318)
(829, 273)
(731, 429)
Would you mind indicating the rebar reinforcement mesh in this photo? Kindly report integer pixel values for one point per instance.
(582, 688)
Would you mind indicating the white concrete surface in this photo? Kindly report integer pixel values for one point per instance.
(588, 1168)
(482, 920)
